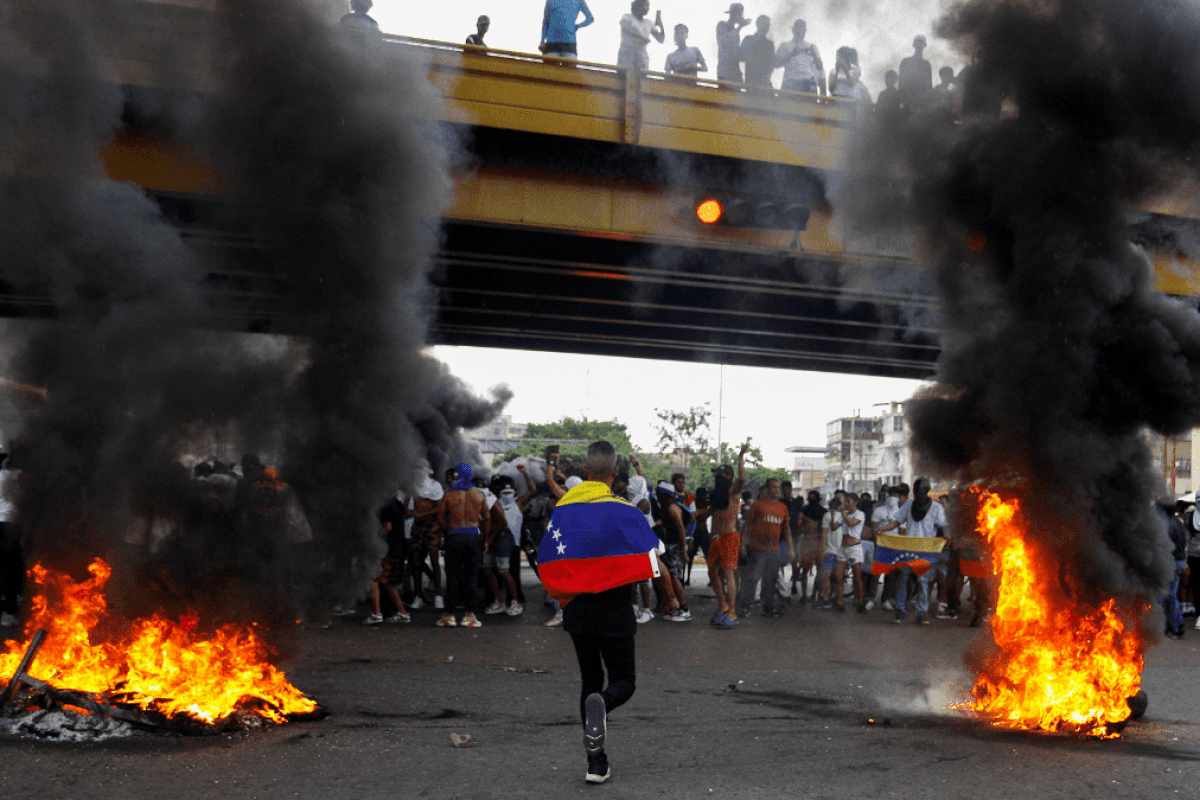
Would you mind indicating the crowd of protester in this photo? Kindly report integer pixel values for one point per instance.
(461, 544)
(753, 59)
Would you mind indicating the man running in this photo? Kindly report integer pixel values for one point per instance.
(466, 518)
(723, 551)
(596, 546)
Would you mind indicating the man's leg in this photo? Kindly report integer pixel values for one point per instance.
(902, 592)
(731, 591)
(839, 581)
(770, 580)
(454, 548)
(751, 575)
(472, 558)
(922, 599)
(714, 580)
(619, 662)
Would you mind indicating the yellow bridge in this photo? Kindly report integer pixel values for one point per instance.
(575, 229)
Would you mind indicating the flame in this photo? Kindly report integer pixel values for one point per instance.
(1061, 666)
(155, 663)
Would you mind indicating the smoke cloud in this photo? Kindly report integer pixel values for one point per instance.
(1057, 351)
(334, 162)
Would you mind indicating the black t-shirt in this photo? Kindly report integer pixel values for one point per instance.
(603, 614)
(795, 509)
(393, 512)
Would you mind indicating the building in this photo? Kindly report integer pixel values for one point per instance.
(1171, 457)
(807, 468)
(852, 449)
(895, 458)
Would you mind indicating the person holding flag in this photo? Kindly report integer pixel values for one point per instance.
(918, 547)
(597, 545)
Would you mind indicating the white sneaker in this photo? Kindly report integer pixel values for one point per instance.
(469, 621)
(1197, 625)
(374, 619)
(495, 608)
(888, 605)
(447, 621)
(417, 602)
(870, 604)
(644, 615)
(438, 602)
(555, 621)
(515, 609)
(679, 616)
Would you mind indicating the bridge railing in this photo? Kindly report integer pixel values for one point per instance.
(546, 94)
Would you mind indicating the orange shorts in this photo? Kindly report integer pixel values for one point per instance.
(723, 552)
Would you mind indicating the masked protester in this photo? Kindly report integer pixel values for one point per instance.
(924, 518)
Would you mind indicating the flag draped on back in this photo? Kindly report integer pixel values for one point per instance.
(595, 541)
(918, 552)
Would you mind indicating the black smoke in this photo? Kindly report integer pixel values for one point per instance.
(334, 163)
(1057, 350)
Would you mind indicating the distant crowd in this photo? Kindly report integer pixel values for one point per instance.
(753, 59)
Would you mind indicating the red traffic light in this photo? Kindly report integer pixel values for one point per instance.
(709, 211)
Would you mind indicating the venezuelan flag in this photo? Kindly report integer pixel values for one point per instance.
(918, 552)
(595, 541)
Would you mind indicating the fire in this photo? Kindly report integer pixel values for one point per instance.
(1061, 666)
(155, 663)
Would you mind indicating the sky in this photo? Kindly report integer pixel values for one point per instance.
(776, 408)
(881, 30)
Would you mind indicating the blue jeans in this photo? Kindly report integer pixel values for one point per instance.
(921, 601)
(1171, 608)
(761, 565)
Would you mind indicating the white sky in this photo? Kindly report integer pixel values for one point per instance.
(777, 408)
(881, 30)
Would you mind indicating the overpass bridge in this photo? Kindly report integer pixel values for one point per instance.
(575, 228)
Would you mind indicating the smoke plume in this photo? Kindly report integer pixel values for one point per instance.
(1057, 351)
(333, 161)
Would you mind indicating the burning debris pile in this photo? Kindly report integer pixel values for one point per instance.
(153, 672)
(1057, 351)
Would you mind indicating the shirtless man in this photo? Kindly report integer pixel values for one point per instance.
(466, 518)
(723, 552)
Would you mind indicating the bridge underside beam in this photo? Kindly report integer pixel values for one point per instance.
(545, 290)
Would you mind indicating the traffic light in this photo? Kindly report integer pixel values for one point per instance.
(748, 211)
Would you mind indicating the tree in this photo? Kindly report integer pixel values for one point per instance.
(573, 456)
(684, 438)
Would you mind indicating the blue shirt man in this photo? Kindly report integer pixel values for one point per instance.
(559, 26)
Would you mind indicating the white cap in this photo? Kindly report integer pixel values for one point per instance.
(573, 481)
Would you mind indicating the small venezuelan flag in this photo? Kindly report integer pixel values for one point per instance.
(595, 541)
(917, 552)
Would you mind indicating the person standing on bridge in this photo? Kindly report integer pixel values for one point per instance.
(729, 44)
(758, 53)
(685, 60)
(481, 28)
(802, 67)
(636, 31)
(559, 24)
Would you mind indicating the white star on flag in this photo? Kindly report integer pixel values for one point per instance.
(562, 548)
(557, 534)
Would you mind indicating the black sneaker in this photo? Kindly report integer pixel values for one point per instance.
(840, 608)
(862, 608)
(594, 729)
(899, 617)
(599, 769)
(922, 619)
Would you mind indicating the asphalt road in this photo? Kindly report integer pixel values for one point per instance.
(776, 708)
